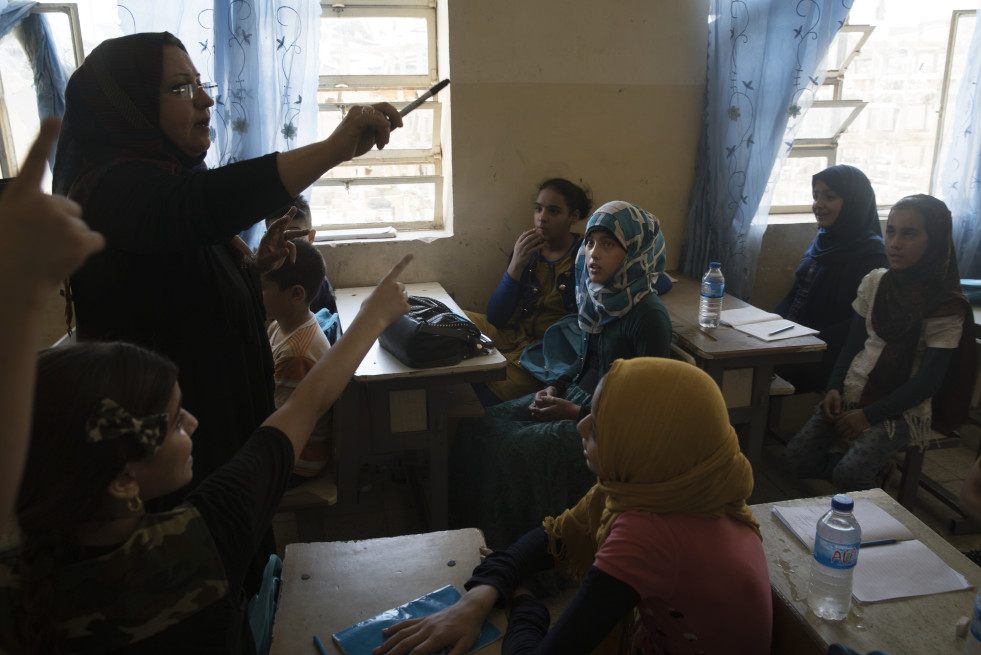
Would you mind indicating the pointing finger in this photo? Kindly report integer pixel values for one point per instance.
(398, 268)
(35, 164)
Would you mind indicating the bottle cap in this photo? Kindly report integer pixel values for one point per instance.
(714, 264)
(842, 503)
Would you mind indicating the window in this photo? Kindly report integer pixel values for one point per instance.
(891, 72)
(372, 53)
(19, 120)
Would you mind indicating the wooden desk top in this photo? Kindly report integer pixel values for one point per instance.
(380, 364)
(920, 625)
(721, 342)
(350, 581)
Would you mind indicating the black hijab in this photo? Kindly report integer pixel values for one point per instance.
(827, 279)
(112, 114)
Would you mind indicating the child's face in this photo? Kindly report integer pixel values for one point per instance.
(906, 238)
(604, 256)
(827, 204)
(276, 300)
(587, 430)
(552, 215)
(170, 468)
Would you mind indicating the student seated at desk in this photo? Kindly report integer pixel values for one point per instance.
(521, 460)
(847, 246)
(297, 344)
(91, 570)
(665, 530)
(907, 367)
(538, 287)
(325, 297)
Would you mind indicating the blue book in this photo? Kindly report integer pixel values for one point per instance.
(362, 637)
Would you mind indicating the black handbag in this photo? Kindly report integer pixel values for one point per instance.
(432, 335)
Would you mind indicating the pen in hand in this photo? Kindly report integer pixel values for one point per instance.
(423, 98)
(778, 331)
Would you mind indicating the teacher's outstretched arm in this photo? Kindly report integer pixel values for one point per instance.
(363, 128)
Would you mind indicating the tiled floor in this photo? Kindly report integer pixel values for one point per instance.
(390, 505)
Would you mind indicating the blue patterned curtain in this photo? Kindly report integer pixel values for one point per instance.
(960, 180)
(763, 69)
(263, 56)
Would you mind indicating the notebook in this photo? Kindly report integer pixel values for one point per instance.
(903, 569)
(760, 324)
(362, 637)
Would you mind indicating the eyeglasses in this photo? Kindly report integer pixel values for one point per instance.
(190, 90)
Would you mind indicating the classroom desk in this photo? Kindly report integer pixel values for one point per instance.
(740, 364)
(922, 625)
(404, 407)
(349, 581)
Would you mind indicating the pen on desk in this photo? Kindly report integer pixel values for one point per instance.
(876, 542)
(783, 329)
(423, 98)
(320, 645)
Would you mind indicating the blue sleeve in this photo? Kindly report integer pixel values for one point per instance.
(663, 284)
(924, 384)
(501, 306)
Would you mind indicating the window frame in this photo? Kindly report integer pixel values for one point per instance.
(828, 146)
(432, 156)
(9, 166)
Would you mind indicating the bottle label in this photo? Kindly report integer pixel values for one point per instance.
(835, 556)
(711, 290)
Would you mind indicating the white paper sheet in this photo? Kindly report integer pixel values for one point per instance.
(876, 523)
(903, 570)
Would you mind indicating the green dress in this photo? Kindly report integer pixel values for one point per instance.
(508, 471)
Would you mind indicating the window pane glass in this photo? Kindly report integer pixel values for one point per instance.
(823, 122)
(19, 97)
(373, 204)
(344, 95)
(416, 132)
(794, 187)
(900, 73)
(365, 45)
(841, 47)
(383, 170)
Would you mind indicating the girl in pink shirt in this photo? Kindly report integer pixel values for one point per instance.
(666, 532)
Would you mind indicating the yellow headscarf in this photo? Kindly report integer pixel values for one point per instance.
(664, 445)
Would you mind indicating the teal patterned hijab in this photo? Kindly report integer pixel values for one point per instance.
(639, 232)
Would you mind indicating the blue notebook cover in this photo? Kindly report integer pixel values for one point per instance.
(362, 637)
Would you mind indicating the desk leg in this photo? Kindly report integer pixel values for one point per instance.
(758, 410)
(439, 452)
(759, 414)
(346, 411)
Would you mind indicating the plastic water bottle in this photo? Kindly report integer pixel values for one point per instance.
(973, 645)
(836, 544)
(710, 306)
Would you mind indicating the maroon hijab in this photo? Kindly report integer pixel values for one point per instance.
(930, 288)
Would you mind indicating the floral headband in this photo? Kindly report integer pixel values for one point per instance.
(110, 422)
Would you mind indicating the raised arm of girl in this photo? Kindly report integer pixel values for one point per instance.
(325, 381)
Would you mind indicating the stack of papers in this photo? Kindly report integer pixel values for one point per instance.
(903, 569)
(763, 325)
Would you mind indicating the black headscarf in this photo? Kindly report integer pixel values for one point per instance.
(112, 114)
(929, 288)
(840, 255)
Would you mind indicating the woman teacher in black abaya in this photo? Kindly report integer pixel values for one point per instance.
(174, 277)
